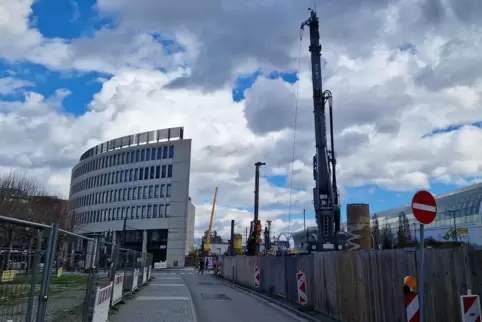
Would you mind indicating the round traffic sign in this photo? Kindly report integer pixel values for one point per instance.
(424, 207)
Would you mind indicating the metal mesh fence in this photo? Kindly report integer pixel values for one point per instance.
(47, 274)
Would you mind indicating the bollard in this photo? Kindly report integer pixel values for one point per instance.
(412, 306)
(301, 281)
(256, 278)
(470, 307)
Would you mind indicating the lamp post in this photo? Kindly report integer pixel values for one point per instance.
(453, 212)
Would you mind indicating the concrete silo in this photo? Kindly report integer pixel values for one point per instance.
(358, 227)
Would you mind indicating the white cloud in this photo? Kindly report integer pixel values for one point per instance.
(386, 101)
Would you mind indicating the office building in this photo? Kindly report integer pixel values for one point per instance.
(140, 181)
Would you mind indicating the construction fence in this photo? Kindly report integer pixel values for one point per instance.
(48, 274)
(364, 286)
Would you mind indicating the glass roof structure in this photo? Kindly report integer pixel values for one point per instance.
(463, 204)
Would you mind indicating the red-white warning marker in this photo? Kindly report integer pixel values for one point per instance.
(256, 277)
(470, 307)
(302, 296)
(412, 307)
(424, 207)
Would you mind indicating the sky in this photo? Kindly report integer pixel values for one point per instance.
(405, 76)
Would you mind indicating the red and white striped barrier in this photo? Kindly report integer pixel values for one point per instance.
(117, 288)
(470, 307)
(302, 295)
(135, 280)
(218, 273)
(102, 304)
(412, 306)
(256, 277)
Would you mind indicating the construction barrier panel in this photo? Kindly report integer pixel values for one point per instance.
(9, 276)
(412, 307)
(102, 301)
(135, 280)
(117, 289)
(256, 278)
(470, 307)
(149, 274)
(144, 275)
(302, 295)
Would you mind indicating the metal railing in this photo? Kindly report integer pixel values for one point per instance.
(49, 274)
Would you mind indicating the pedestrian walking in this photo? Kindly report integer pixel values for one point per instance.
(201, 266)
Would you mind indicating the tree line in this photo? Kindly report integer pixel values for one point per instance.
(383, 237)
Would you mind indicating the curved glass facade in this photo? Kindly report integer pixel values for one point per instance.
(133, 182)
(142, 181)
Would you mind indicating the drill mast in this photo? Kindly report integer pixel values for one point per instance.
(325, 193)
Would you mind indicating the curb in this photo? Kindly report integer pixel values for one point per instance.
(269, 299)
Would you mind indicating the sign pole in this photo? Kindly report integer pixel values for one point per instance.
(421, 272)
(424, 209)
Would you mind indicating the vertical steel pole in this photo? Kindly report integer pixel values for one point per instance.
(49, 262)
(33, 279)
(90, 283)
(421, 273)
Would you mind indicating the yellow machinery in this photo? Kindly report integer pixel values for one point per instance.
(207, 245)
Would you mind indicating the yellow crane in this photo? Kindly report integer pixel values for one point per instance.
(207, 245)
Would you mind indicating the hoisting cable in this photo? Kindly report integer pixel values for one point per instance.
(294, 134)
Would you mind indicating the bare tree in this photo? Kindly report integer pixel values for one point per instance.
(23, 197)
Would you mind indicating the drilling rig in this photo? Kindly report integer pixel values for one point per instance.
(254, 238)
(325, 193)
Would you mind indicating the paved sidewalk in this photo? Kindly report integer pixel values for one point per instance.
(166, 299)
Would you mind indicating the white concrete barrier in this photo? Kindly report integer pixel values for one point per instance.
(135, 280)
(102, 304)
(117, 288)
(144, 276)
(149, 274)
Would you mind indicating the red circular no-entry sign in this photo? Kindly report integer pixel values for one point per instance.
(424, 207)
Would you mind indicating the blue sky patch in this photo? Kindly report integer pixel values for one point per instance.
(244, 82)
(82, 86)
(452, 128)
(67, 19)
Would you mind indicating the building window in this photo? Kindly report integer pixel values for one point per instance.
(138, 155)
(146, 173)
(159, 153)
(139, 211)
(134, 193)
(168, 190)
(153, 153)
(162, 190)
(168, 210)
(151, 192)
(149, 211)
(154, 211)
(148, 155)
(164, 152)
(151, 173)
(158, 172)
(144, 212)
(133, 156)
(143, 155)
(163, 172)
(156, 191)
(145, 192)
(171, 152)
(141, 173)
(161, 211)
(169, 171)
